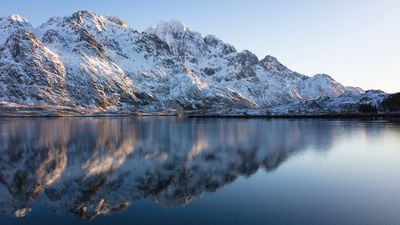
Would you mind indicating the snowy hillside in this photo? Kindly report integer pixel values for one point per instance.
(92, 62)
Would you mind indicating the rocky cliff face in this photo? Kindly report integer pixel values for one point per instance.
(87, 61)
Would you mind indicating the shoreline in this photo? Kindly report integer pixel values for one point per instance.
(191, 114)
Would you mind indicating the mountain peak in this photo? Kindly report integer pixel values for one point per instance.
(170, 32)
(323, 76)
(168, 28)
(271, 59)
(87, 19)
(84, 13)
(88, 15)
(173, 26)
(17, 18)
(10, 24)
(13, 19)
(272, 64)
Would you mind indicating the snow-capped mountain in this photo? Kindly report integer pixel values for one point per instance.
(87, 61)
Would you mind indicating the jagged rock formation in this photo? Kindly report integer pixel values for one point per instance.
(87, 61)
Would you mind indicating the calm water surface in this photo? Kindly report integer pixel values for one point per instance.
(199, 171)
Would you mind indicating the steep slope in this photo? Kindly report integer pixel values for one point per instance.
(93, 77)
(87, 61)
(29, 70)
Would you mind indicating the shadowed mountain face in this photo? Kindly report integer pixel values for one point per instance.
(92, 167)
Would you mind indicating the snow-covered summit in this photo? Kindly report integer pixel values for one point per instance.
(86, 19)
(14, 21)
(10, 24)
(271, 64)
(171, 26)
(17, 18)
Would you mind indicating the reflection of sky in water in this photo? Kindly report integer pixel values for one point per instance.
(219, 171)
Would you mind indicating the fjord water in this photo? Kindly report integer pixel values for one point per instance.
(199, 171)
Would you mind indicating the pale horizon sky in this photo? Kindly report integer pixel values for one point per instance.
(356, 42)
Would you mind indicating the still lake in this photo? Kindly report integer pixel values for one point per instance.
(167, 170)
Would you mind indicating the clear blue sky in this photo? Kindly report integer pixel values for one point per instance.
(357, 42)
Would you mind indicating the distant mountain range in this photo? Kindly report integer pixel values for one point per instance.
(89, 63)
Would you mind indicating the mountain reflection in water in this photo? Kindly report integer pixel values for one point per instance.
(97, 166)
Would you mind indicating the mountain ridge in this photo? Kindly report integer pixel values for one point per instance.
(99, 63)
